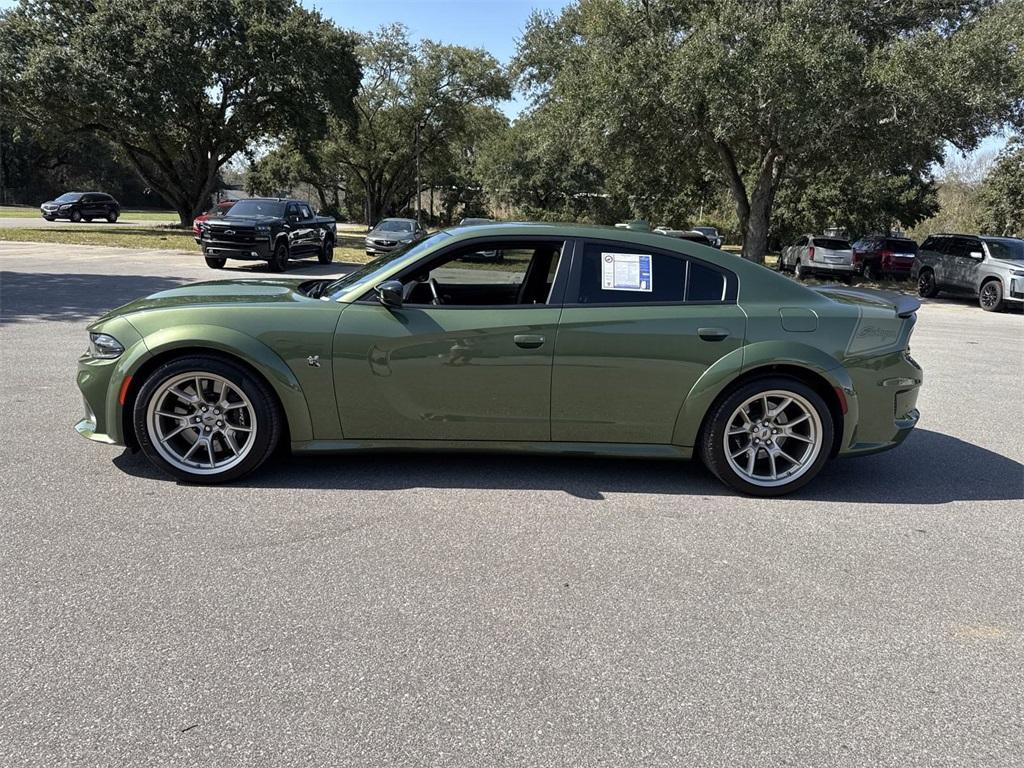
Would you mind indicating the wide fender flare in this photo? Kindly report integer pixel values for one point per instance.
(234, 343)
(763, 354)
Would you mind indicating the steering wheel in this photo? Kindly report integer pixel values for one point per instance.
(435, 292)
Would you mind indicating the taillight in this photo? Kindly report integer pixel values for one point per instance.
(857, 256)
(810, 252)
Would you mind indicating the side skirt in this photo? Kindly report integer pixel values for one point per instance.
(623, 450)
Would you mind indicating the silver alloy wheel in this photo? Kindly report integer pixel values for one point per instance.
(773, 438)
(201, 423)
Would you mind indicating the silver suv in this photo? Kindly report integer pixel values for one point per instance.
(990, 269)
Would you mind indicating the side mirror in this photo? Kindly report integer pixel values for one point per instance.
(389, 293)
(976, 255)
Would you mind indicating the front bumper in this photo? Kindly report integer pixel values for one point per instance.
(374, 247)
(219, 249)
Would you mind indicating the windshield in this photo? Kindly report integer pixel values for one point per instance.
(258, 208)
(69, 197)
(1008, 249)
(367, 275)
(394, 225)
(832, 244)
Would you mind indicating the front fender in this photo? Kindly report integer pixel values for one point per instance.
(233, 343)
(763, 354)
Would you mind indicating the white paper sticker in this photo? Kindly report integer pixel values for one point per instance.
(626, 272)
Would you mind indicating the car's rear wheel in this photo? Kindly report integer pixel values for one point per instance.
(926, 287)
(87, 219)
(326, 254)
(206, 420)
(870, 272)
(768, 437)
(75, 216)
(279, 259)
(991, 296)
(213, 263)
(800, 271)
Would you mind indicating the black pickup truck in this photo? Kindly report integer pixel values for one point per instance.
(273, 230)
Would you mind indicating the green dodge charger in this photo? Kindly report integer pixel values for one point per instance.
(582, 340)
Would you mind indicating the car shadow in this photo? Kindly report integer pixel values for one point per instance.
(930, 468)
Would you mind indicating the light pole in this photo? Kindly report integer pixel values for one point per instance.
(418, 188)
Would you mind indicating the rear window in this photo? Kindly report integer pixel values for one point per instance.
(901, 245)
(833, 244)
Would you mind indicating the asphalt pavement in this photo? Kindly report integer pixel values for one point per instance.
(459, 610)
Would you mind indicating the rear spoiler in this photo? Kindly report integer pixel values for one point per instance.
(904, 305)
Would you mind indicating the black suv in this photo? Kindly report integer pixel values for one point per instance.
(82, 206)
(877, 255)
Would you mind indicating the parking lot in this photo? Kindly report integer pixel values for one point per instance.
(479, 610)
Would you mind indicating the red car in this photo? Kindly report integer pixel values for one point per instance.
(216, 212)
(876, 256)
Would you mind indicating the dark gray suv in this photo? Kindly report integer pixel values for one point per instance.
(990, 269)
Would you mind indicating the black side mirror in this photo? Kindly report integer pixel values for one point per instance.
(389, 293)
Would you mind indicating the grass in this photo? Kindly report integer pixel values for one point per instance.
(23, 212)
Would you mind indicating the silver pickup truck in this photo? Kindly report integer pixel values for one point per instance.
(990, 269)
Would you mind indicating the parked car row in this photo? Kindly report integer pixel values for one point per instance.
(990, 269)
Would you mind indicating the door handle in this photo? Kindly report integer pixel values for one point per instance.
(528, 340)
(713, 334)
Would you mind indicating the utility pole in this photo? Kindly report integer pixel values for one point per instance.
(418, 173)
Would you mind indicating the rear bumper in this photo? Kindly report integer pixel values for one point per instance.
(887, 390)
(819, 266)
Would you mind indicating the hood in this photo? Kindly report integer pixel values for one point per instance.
(386, 235)
(220, 292)
(1008, 263)
(244, 221)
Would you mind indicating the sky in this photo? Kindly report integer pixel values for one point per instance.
(494, 25)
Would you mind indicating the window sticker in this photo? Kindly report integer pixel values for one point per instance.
(626, 272)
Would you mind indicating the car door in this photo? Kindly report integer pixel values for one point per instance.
(475, 367)
(639, 327)
(292, 224)
(969, 255)
(310, 234)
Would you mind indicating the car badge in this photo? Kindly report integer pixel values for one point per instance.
(314, 361)
(229, 231)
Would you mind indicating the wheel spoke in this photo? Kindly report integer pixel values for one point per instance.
(178, 431)
(172, 415)
(797, 420)
(183, 395)
(233, 428)
(801, 438)
(741, 451)
(209, 451)
(788, 458)
(771, 458)
(751, 460)
(192, 450)
(232, 444)
(780, 408)
(739, 431)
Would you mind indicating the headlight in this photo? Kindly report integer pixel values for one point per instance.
(264, 228)
(1018, 273)
(64, 207)
(104, 346)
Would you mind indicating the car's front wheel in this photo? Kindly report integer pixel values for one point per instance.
(768, 437)
(326, 254)
(991, 296)
(214, 263)
(75, 216)
(279, 258)
(112, 217)
(206, 420)
(870, 272)
(926, 286)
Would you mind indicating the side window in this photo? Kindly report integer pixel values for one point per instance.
(291, 210)
(492, 274)
(801, 242)
(87, 198)
(966, 246)
(306, 213)
(611, 273)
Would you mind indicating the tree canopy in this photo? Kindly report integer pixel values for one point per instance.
(773, 94)
(178, 86)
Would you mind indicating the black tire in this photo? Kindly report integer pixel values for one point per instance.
(990, 297)
(712, 441)
(269, 420)
(112, 217)
(279, 258)
(50, 218)
(800, 272)
(926, 287)
(326, 253)
(75, 216)
(214, 263)
(870, 272)
(780, 265)
(87, 219)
